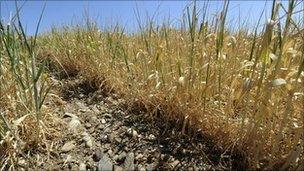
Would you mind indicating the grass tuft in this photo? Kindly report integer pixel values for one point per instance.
(245, 90)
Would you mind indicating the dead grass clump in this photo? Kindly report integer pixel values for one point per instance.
(24, 121)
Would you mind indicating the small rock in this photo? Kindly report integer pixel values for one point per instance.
(118, 168)
(135, 134)
(151, 137)
(82, 167)
(110, 152)
(132, 133)
(88, 125)
(68, 146)
(74, 123)
(101, 126)
(104, 138)
(97, 155)
(105, 164)
(94, 118)
(126, 148)
(129, 162)
(103, 121)
(88, 140)
(117, 139)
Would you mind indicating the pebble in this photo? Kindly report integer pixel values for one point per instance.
(74, 123)
(68, 146)
(88, 125)
(110, 152)
(117, 139)
(129, 162)
(104, 138)
(88, 140)
(103, 121)
(94, 118)
(83, 110)
(105, 164)
(101, 126)
(132, 133)
(151, 137)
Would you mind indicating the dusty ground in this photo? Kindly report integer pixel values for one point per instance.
(101, 134)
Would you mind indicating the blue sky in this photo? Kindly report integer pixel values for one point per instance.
(58, 13)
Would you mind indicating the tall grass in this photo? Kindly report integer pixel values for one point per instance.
(23, 90)
(244, 90)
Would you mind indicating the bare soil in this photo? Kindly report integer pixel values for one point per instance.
(102, 134)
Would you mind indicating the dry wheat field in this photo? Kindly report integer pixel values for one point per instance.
(199, 96)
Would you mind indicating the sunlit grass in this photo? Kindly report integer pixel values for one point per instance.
(243, 89)
(23, 90)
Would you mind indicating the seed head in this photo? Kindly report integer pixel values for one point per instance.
(181, 81)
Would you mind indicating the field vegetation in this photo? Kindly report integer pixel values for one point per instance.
(244, 88)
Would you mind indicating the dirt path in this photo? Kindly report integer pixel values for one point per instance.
(101, 135)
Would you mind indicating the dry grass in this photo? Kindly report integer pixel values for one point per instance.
(25, 123)
(244, 90)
